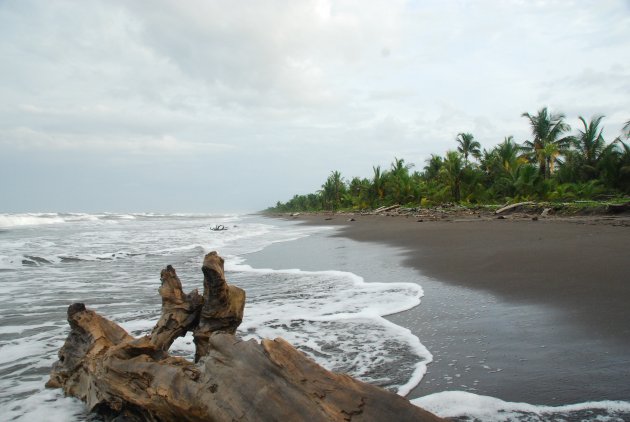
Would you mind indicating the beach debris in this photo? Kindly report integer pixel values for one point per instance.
(127, 378)
(501, 217)
(545, 212)
(513, 207)
(351, 219)
(385, 209)
(218, 227)
(295, 214)
(534, 218)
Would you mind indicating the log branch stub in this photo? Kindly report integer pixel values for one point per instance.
(223, 305)
(180, 312)
(74, 308)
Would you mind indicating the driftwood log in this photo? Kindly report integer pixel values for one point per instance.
(386, 208)
(218, 227)
(135, 379)
(513, 207)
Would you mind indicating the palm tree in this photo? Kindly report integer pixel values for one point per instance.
(399, 167)
(377, 190)
(508, 154)
(626, 129)
(590, 145)
(527, 181)
(432, 169)
(398, 183)
(452, 171)
(358, 192)
(468, 146)
(547, 130)
(333, 189)
(551, 154)
(501, 165)
(623, 166)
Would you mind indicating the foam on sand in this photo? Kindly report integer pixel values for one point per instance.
(337, 319)
(461, 404)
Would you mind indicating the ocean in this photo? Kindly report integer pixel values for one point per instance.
(111, 262)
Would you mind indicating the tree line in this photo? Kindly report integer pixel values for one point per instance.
(554, 165)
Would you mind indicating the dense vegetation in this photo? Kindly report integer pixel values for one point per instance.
(554, 165)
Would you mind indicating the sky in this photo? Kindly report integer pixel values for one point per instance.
(229, 106)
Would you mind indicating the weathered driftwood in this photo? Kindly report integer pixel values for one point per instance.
(386, 208)
(513, 207)
(223, 305)
(135, 379)
(179, 311)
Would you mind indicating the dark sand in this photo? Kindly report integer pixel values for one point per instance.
(534, 311)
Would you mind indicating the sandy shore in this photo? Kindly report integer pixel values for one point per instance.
(523, 310)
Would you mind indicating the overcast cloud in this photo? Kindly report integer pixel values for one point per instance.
(229, 106)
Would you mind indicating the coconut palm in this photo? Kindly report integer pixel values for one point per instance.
(377, 188)
(623, 166)
(509, 155)
(398, 182)
(527, 181)
(590, 145)
(468, 146)
(333, 189)
(452, 171)
(358, 192)
(547, 129)
(551, 154)
(432, 169)
(501, 165)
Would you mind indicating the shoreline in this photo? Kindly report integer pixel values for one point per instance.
(521, 310)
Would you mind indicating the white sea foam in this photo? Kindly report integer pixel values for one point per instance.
(336, 318)
(8, 220)
(44, 405)
(31, 219)
(461, 404)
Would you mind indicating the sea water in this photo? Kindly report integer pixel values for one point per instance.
(111, 262)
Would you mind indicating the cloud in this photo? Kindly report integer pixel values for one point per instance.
(302, 87)
(27, 139)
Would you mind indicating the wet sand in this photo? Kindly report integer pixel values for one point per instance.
(534, 311)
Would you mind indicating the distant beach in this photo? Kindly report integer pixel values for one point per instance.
(527, 311)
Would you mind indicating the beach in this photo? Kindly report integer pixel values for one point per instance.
(522, 310)
(454, 315)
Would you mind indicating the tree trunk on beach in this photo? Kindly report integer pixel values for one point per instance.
(135, 379)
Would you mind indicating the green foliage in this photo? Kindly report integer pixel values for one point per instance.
(468, 146)
(550, 167)
(548, 144)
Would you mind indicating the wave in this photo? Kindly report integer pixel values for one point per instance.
(9, 220)
(337, 318)
(30, 219)
(38, 219)
(461, 405)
